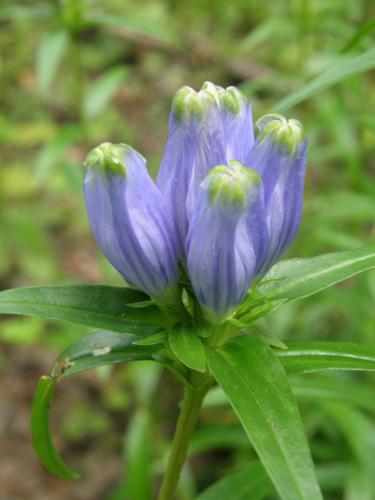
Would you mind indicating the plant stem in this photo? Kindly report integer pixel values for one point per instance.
(191, 405)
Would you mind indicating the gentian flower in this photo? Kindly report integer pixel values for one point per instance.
(129, 219)
(224, 208)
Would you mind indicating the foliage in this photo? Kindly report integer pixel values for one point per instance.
(90, 71)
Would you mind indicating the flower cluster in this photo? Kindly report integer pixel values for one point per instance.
(224, 208)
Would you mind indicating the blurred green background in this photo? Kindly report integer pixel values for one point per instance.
(76, 73)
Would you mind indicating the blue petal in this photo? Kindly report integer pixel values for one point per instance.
(129, 219)
(286, 205)
(223, 239)
(279, 156)
(207, 128)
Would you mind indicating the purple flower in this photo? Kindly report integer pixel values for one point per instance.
(129, 219)
(206, 128)
(224, 208)
(222, 241)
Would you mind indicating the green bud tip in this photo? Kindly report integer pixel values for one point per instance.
(188, 102)
(232, 185)
(287, 133)
(108, 158)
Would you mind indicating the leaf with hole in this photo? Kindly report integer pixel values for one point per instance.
(98, 349)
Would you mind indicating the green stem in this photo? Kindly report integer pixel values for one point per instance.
(191, 405)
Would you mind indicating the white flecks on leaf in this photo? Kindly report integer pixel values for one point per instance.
(101, 351)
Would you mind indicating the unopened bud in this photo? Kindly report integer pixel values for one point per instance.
(233, 185)
(189, 103)
(108, 158)
(288, 134)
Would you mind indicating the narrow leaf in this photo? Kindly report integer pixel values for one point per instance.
(41, 436)
(334, 389)
(143, 26)
(52, 152)
(346, 67)
(211, 437)
(358, 429)
(298, 278)
(250, 481)
(91, 351)
(98, 349)
(187, 346)
(97, 306)
(101, 91)
(314, 356)
(138, 456)
(363, 31)
(360, 485)
(157, 338)
(50, 53)
(256, 385)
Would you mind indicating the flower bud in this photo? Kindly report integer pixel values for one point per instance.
(129, 219)
(221, 250)
(279, 156)
(288, 134)
(232, 186)
(207, 128)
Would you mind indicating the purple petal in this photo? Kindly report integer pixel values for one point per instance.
(279, 156)
(221, 245)
(207, 128)
(129, 219)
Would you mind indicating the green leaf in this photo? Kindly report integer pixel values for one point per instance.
(91, 351)
(96, 306)
(208, 438)
(53, 151)
(256, 385)
(143, 26)
(101, 91)
(215, 397)
(157, 338)
(297, 278)
(325, 388)
(362, 31)
(311, 356)
(358, 429)
(138, 456)
(187, 346)
(50, 53)
(346, 67)
(249, 482)
(41, 436)
(341, 204)
(344, 390)
(37, 11)
(360, 485)
(98, 349)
